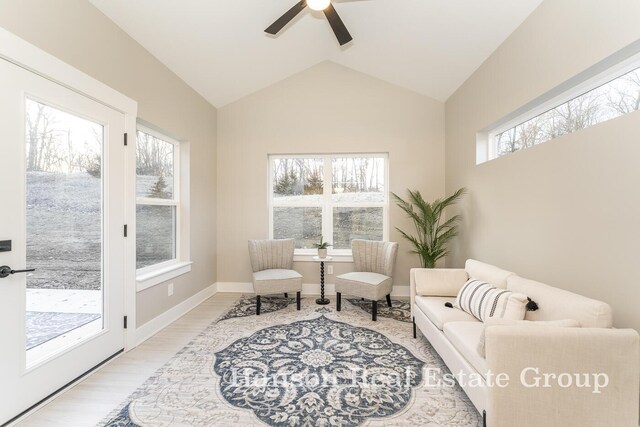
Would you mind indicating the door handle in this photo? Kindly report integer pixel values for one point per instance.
(6, 271)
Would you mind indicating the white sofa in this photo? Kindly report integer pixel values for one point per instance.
(526, 353)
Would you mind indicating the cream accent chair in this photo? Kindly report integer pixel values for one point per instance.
(272, 263)
(373, 275)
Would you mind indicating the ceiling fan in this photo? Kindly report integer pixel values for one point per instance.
(339, 29)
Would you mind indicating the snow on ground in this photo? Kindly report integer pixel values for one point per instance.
(64, 301)
(64, 227)
(64, 230)
(305, 224)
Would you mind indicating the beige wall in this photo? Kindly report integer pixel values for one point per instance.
(77, 33)
(565, 212)
(325, 109)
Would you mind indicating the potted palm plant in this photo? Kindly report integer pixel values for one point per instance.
(322, 247)
(432, 233)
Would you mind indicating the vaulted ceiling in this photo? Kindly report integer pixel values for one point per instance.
(220, 49)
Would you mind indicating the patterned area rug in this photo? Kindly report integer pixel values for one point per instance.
(399, 310)
(246, 306)
(315, 367)
(44, 326)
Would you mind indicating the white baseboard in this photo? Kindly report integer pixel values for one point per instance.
(401, 291)
(156, 324)
(235, 287)
(307, 289)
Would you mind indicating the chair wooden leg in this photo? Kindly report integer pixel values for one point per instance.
(374, 311)
(338, 301)
(298, 300)
(389, 300)
(286, 295)
(258, 303)
(415, 331)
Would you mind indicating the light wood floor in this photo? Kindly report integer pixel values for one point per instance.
(90, 401)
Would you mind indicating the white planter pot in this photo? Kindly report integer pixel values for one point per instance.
(322, 253)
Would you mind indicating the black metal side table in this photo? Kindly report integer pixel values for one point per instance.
(322, 300)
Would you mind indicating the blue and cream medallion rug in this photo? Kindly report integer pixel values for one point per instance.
(314, 367)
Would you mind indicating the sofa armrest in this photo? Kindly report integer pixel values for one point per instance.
(563, 376)
(436, 282)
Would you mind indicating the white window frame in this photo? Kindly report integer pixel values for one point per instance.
(155, 274)
(327, 205)
(611, 68)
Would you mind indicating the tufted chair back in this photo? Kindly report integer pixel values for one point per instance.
(374, 257)
(271, 254)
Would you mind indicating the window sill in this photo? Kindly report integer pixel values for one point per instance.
(309, 258)
(149, 279)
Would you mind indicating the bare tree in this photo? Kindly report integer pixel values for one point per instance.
(578, 113)
(154, 157)
(625, 97)
(33, 124)
(508, 141)
(41, 136)
(45, 152)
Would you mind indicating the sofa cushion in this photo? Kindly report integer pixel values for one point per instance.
(488, 273)
(483, 301)
(465, 336)
(434, 308)
(439, 282)
(557, 304)
(565, 323)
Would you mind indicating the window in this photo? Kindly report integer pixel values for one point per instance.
(340, 197)
(157, 191)
(601, 97)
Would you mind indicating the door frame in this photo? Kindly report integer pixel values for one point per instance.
(27, 56)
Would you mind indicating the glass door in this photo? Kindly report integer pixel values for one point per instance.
(64, 186)
(62, 209)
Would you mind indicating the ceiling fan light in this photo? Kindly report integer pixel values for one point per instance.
(318, 4)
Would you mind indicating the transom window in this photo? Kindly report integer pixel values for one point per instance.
(157, 160)
(340, 197)
(595, 97)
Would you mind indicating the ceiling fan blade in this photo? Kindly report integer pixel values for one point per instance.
(338, 26)
(286, 18)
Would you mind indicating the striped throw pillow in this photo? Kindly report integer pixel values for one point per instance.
(483, 301)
